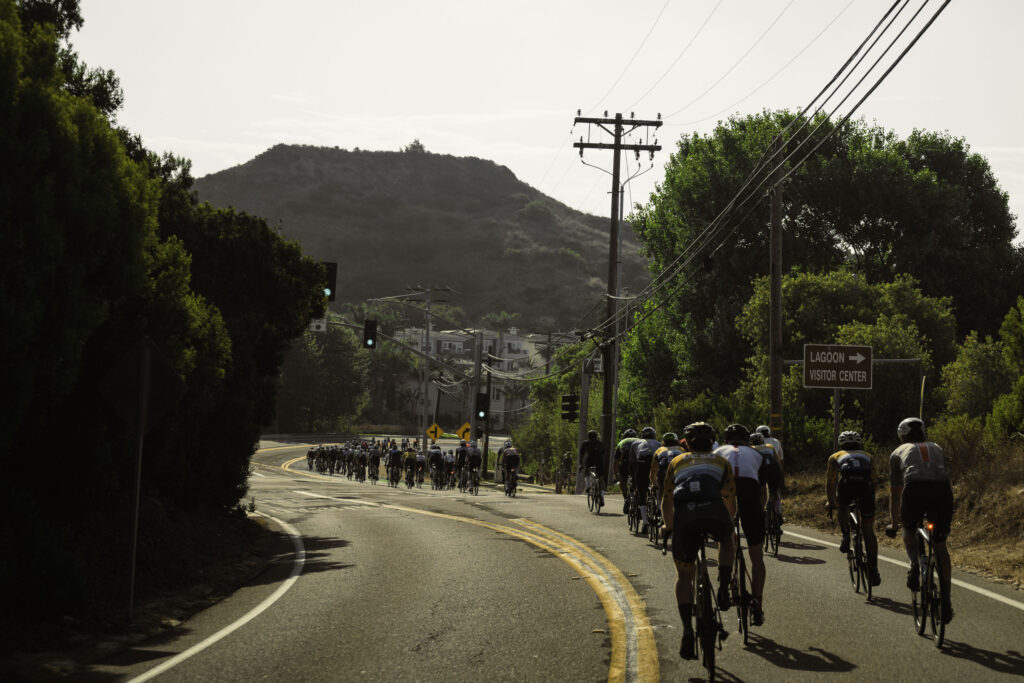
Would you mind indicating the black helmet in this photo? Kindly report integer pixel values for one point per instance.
(764, 430)
(736, 433)
(592, 434)
(670, 439)
(699, 433)
(629, 433)
(849, 439)
(649, 433)
(756, 439)
(909, 428)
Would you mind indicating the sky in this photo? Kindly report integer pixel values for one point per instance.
(219, 81)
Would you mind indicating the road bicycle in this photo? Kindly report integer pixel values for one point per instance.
(564, 480)
(474, 481)
(927, 600)
(410, 477)
(654, 519)
(463, 480)
(740, 587)
(511, 482)
(394, 476)
(595, 496)
(632, 507)
(856, 556)
(772, 529)
(710, 633)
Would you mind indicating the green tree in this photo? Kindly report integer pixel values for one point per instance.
(924, 207)
(973, 381)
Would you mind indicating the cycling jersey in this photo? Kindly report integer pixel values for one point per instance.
(855, 465)
(913, 462)
(510, 458)
(642, 451)
(592, 454)
(659, 464)
(749, 470)
(474, 458)
(698, 477)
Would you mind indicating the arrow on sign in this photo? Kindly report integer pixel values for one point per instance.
(857, 358)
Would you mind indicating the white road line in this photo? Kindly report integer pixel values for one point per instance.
(300, 561)
(906, 565)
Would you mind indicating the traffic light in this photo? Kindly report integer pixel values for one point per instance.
(483, 406)
(330, 279)
(369, 334)
(570, 406)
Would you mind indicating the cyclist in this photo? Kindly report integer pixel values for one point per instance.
(510, 463)
(849, 478)
(641, 458)
(460, 462)
(410, 466)
(919, 487)
(752, 472)
(766, 433)
(698, 496)
(767, 452)
(448, 475)
(474, 459)
(421, 465)
(621, 463)
(374, 462)
(435, 461)
(591, 455)
(663, 456)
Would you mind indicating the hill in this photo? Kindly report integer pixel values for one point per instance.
(397, 219)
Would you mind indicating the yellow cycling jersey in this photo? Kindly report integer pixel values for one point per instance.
(693, 475)
(856, 464)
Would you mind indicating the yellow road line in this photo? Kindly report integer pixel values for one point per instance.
(646, 663)
(602, 576)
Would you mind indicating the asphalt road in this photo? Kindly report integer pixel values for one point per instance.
(382, 584)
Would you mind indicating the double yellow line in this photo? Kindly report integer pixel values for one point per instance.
(634, 655)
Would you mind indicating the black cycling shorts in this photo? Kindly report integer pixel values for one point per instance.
(860, 490)
(748, 503)
(691, 521)
(931, 499)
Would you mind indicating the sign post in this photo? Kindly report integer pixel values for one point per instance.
(837, 367)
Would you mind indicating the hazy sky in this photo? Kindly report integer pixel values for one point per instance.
(219, 81)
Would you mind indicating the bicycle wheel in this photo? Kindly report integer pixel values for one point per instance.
(769, 518)
(862, 565)
(742, 597)
(707, 634)
(776, 536)
(936, 626)
(851, 563)
(919, 604)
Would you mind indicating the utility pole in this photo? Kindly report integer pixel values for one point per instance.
(478, 344)
(775, 295)
(425, 378)
(617, 127)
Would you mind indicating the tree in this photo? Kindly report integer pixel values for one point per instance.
(924, 207)
(973, 381)
(415, 147)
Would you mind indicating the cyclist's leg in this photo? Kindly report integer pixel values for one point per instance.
(940, 513)
(684, 554)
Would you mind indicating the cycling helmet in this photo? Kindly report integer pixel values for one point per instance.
(699, 434)
(670, 439)
(756, 439)
(764, 430)
(910, 427)
(849, 439)
(649, 433)
(592, 435)
(629, 433)
(736, 433)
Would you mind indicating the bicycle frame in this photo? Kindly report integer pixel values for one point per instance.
(926, 602)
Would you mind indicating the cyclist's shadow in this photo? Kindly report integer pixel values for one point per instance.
(812, 659)
(1010, 662)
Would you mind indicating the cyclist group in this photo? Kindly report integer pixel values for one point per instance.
(707, 489)
(706, 486)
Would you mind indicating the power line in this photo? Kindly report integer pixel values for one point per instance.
(731, 68)
(678, 57)
(774, 75)
(631, 59)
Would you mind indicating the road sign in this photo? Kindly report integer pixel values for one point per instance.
(435, 432)
(465, 431)
(837, 366)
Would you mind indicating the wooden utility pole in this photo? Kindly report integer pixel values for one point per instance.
(775, 295)
(617, 128)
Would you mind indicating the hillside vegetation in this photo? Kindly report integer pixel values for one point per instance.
(397, 219)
